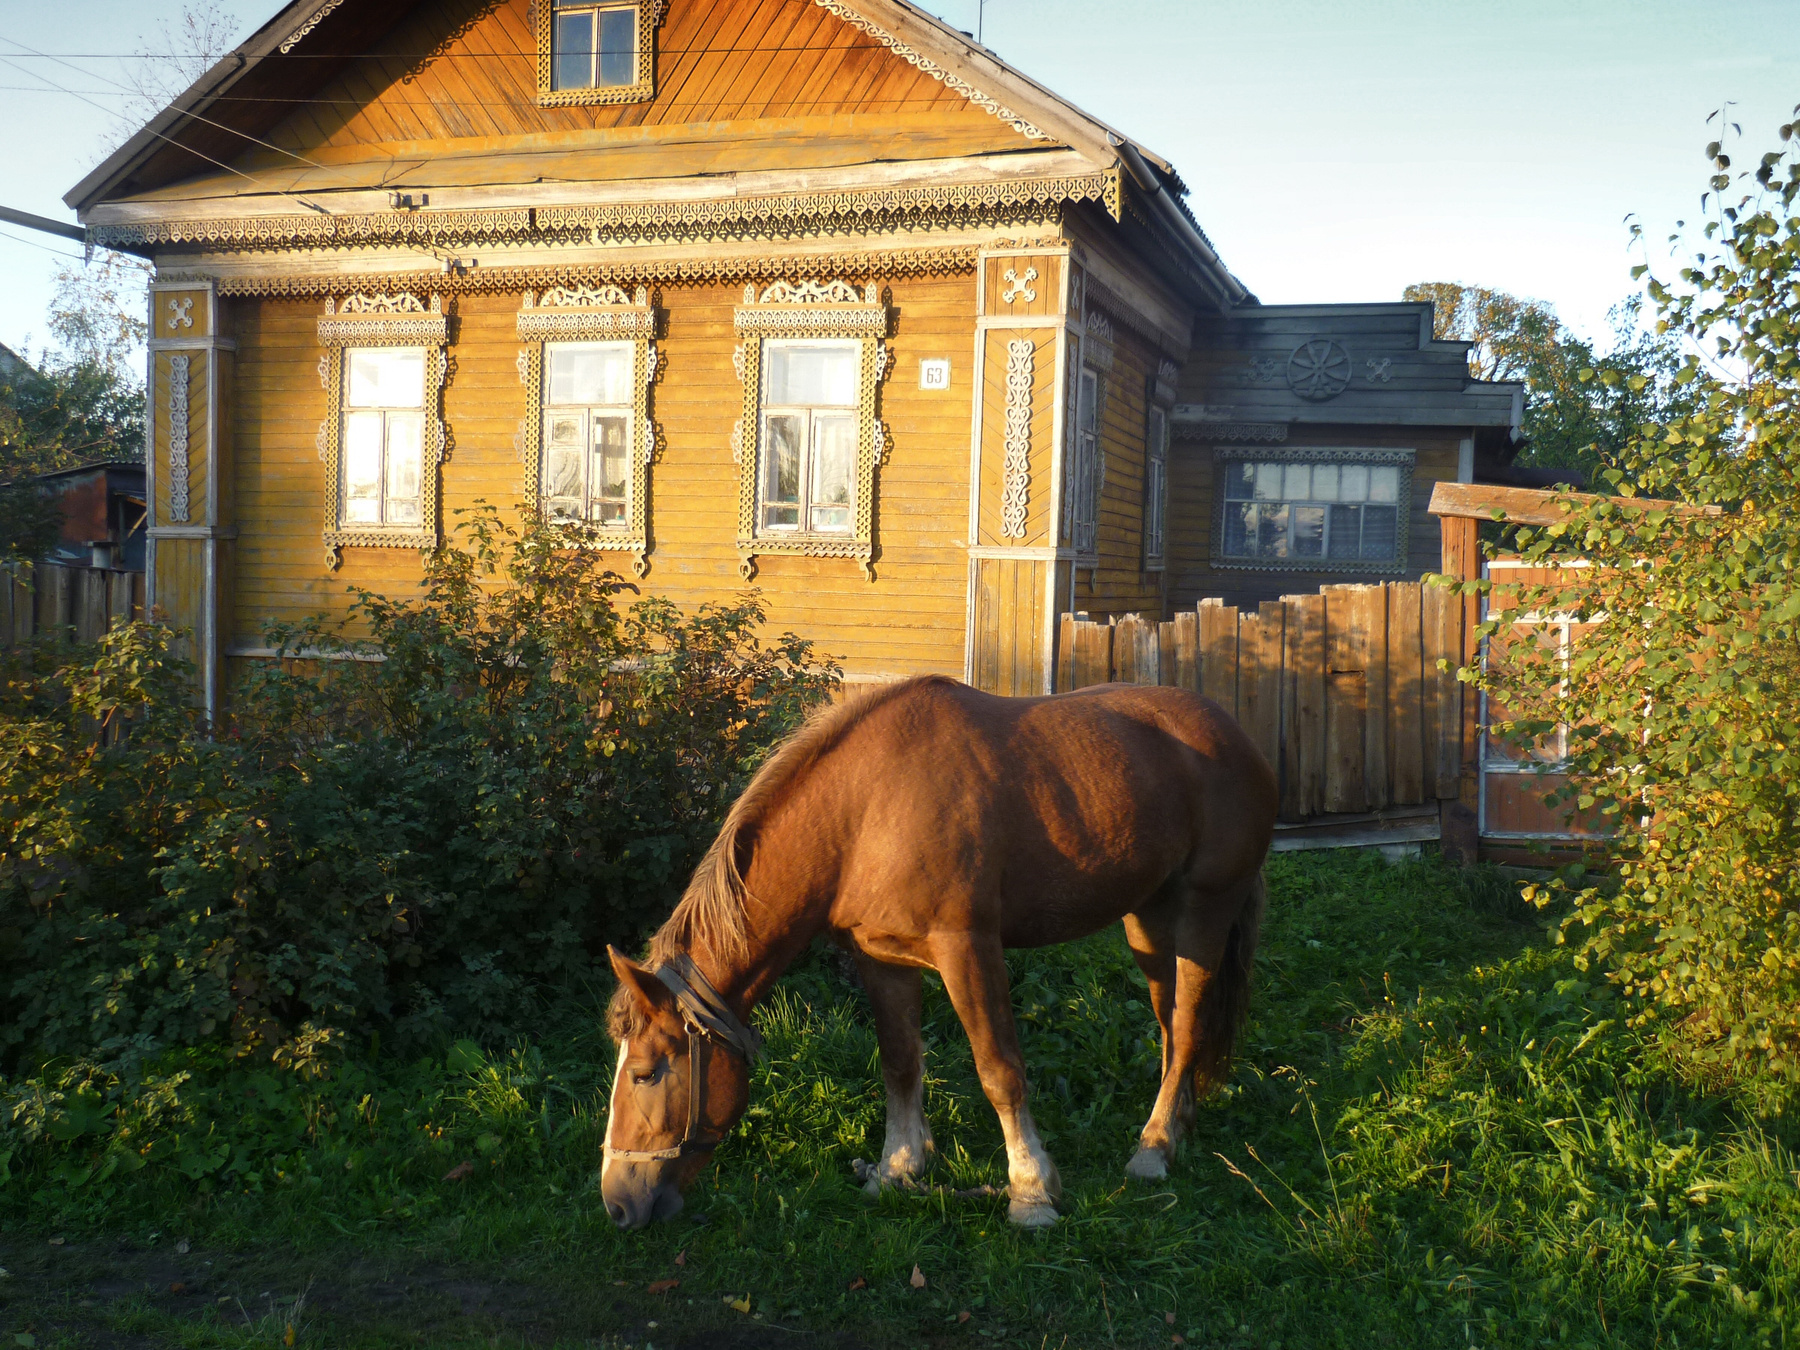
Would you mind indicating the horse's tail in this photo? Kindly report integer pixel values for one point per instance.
(1227, 996)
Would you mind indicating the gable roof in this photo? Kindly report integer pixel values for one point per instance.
(236, 104)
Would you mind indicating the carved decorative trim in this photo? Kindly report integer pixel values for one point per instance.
(1272, 432)
(641, 90)
(1098, 325)
(384, 320)
(178, 438)
(1382, 370)
(931, 68)
(810, 310)
(584, 313)
(280, 232)
(1021, 353)
(293, 38)
(1319, 370)
(1018, 287)
(1406, 460)
(946, 261)
(1168, 372)
(331, 450)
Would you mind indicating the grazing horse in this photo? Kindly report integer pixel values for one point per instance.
(928, 825)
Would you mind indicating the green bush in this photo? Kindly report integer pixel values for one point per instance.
(1682, 703)
(430, 830)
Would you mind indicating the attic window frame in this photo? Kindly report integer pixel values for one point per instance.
(642, 90)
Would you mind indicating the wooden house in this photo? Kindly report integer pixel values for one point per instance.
(818, 296)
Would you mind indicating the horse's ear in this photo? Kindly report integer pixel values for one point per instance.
(650, 994)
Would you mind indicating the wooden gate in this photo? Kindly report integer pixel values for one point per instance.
(1351, 694)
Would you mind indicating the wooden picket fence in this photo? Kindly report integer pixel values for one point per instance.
(1342, 691)
(44, 597)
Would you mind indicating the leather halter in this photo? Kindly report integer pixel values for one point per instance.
(707, 1019)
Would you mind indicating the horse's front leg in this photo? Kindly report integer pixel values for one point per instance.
(895, 995)
(974, 971)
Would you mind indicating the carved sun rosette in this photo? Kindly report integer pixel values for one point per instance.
(1021, 353)
(810, 309)
(603, 313)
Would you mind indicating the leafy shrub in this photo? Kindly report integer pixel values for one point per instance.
(1682, 703)
(429, 829)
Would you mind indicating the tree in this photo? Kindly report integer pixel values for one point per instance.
(1581, 407)
(1682, 704)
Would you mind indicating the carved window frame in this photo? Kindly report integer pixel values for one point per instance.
(592, 314)
(375, 320)
(810, 310)
(642, 90)
(1405, 460)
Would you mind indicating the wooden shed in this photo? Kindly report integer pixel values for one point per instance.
(818, 296)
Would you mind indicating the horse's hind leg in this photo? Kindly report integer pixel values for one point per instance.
(1214, 940)
(894, 996)
(974, 971)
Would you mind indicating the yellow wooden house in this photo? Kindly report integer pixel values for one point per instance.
(816, 296)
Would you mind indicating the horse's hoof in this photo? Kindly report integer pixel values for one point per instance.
(1028, 1215)
(1147, 1164)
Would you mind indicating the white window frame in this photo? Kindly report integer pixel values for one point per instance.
(589, 413)
(1225, 457)
(809, 415)
(388, 414)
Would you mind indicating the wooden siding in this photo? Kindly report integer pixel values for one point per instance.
(788, 64)
(909, 620)
(1190, 527)
(1009, 655)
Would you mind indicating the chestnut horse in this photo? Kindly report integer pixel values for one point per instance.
(931, 826)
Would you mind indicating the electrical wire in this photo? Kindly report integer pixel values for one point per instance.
(32, 243)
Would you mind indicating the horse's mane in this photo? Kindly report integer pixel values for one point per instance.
(711, 911)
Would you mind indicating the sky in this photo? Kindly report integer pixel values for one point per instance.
(1336, 149)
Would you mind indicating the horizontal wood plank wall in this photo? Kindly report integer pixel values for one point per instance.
(909, 620)
(1190, 543)
(82, 602)
(717, 61)
(1340, 690)
(1120, 584)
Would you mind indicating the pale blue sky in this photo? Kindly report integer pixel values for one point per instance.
(1337, 149)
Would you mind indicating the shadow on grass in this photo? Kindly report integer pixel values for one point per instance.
(1438, 1133)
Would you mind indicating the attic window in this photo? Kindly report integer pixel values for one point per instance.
(595, 51)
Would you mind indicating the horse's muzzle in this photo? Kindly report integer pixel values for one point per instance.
(633, 1206)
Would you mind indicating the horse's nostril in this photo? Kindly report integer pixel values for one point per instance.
(616, 1212)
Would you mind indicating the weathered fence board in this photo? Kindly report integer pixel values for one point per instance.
(78, 601)
(1341, 690)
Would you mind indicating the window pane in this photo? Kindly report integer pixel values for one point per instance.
(1089, 397)
(1325, 482)
(833, 468)
(1240, 528)
(781, 470)
(384, 377)
(1380, 532)
(1268, 482)
(811, 374)
(618, 46)
(362, 467)
(1344, 531)
(405, 440)
(1272, 532)
(562, 481)
(1240, 481)
(565, 430)
(1159, 435)
(574, 51)
(1384, 483)
(1296, 482)
(1309, 531)
(1354, 483)
(612, 468)
(587, 374)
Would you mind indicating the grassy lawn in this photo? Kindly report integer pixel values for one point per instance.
(1438, 1134)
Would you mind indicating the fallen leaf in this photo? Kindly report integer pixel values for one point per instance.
(178, 1288)
(24, 1338)
(858, 1283)
(918, 1278)
(741, 1304)
(962, 1317)
(620, 1284)
(183, 1247)
(287, 1337)
(461, 1172)
(662, 1286)
(1178, 1339)
(681, 1257)
(57, 1242)
(1169, 1318)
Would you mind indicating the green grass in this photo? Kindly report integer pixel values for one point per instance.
(1438, 1134)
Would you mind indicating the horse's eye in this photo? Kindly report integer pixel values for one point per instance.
(646, 1079)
